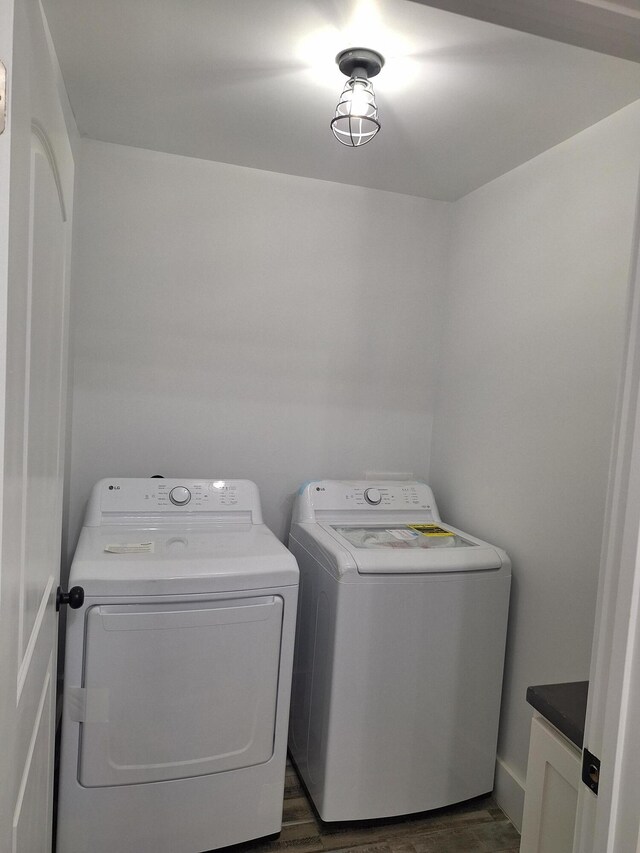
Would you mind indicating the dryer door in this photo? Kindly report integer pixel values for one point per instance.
(178, 690)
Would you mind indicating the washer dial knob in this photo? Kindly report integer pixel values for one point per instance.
(372, 496)
(180, 496)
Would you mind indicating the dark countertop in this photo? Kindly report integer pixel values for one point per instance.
(564, 705)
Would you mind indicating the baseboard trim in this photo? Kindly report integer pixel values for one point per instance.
(509, 793)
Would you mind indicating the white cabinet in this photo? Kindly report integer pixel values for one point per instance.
(553, 777)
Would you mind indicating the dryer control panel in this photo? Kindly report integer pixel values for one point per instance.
(316, 499)
(116, 499)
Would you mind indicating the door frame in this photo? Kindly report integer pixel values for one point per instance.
(609, 822)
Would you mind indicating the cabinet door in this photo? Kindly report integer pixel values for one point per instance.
(178, 690)
(553, 777)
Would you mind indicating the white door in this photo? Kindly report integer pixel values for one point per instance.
(206, 673)
(36, 181)
(610, 821)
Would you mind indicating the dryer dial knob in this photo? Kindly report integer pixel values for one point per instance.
(372, 496)
(180, 496)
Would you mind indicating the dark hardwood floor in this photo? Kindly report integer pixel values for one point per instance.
(478, 826)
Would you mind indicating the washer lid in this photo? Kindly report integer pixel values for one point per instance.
(414, 548)
(173, 560)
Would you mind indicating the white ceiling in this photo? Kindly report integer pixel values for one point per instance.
(609, 26)
(254, 82)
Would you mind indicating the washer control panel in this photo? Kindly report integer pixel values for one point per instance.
(115, 498)
(336, 496)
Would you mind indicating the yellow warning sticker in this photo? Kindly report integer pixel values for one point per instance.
(431, 530)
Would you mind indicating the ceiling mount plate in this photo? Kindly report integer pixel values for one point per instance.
(359, 57)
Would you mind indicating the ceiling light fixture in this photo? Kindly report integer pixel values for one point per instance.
(356, 120)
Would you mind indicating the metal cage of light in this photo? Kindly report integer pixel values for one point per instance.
(356, 118)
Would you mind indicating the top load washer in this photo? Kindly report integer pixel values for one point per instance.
(178, 670)
(399, 651)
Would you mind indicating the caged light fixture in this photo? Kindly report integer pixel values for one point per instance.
(356, 120)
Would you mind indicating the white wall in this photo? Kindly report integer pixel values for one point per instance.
(531, 353)
(232, 322)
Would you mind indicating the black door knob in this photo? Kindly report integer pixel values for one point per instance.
(74, 598)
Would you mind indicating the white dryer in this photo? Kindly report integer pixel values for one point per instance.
(178, 670)
(399, 651)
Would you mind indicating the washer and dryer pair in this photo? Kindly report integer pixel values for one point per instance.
(178, 664)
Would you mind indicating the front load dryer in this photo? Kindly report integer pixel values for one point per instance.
(399, 651)
(178, 670)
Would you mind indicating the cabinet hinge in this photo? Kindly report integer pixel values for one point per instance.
(590, 770)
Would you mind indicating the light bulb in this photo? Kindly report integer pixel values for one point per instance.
(359, 99)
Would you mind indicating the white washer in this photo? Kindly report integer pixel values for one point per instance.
(178, 670)
(399, 651)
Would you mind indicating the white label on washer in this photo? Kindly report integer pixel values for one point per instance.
(131, 548)
(402, 533)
